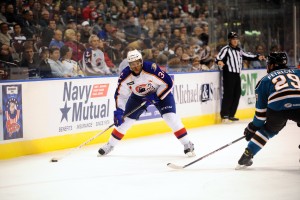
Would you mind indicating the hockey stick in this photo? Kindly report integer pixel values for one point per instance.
(173, 166)
(95, 136)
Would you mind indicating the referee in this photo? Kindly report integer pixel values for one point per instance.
(230, 59)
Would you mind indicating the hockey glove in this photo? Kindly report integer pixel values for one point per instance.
(250, 131)
(151, 99)
(118, 117)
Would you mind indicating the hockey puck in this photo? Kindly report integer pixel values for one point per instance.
(54, 160)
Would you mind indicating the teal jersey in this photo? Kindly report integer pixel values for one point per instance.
(279, 90)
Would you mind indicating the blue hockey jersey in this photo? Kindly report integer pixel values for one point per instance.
(279, 90)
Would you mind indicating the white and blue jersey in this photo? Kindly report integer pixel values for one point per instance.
(132, 89)
(279, 90)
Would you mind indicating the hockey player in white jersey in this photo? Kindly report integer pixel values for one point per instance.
(144, 81)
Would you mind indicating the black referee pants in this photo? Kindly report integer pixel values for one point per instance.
(231, 93)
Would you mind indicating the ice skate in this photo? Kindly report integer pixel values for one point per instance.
(189, 149)
(225, 120)
(245, 160)
(233, 119)
(105, 149)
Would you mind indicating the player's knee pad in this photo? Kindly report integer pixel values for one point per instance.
(123, 128)
(173, 121)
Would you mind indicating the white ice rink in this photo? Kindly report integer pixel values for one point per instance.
(137, 170)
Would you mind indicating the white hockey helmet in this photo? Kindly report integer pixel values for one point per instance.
(134, 55)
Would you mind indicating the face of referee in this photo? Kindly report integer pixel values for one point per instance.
(234, 42)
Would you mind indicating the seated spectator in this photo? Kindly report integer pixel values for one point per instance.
(70, 14)
(5, 53)
(71, 41)
(71, 66)
(44, 20)
(196, 66)
(162, 61)
(108, 61)
(114, 52)
(93, 59)
(5, 37)
(124, 62)
(30, 61)
(259, 49)
(59, 21)
(18, 39)
(85, 32)
(148, 55)
(185, 63)
(57, 68)
(28, 25)
(48, 33)
(44, 66)
(71, 25)
(57, 39)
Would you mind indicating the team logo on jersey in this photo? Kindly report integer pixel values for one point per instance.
(144, 88)
(154, 66)
(98, 61)
(288, 105)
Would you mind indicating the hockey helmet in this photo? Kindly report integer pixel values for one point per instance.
(134, 55)
(276, 60)
(232, 35)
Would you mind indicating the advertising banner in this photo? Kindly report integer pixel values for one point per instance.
(12, 114)
(49, 108)
(249, 79)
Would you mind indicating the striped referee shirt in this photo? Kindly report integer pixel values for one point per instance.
(233, 58)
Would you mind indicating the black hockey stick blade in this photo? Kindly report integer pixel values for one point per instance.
(173, 166)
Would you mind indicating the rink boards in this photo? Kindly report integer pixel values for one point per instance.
(46, 115)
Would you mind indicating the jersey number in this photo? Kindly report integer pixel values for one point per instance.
(281, 81)
(161, 74)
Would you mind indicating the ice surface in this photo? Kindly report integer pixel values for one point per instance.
(137, 170)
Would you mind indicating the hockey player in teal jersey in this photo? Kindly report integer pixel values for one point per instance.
(277, 101)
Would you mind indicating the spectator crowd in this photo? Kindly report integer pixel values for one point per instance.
(68, 38)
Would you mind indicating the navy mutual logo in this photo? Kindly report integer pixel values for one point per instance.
(84, 106)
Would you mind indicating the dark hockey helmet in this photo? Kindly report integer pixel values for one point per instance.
(276, 60)
(232, 35)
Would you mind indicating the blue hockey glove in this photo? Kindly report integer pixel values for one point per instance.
(250, 131)
(151, 99)
(118, 117)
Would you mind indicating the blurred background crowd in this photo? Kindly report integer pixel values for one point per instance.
(59, 38)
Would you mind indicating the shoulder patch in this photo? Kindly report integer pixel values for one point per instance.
(154, 66)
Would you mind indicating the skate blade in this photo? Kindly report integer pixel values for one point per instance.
(240, 167)
(226, 121)
(191, 154)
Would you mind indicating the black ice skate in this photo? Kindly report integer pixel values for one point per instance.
(245, 160)
(233, 119)
(189, 149)
(105, 149)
